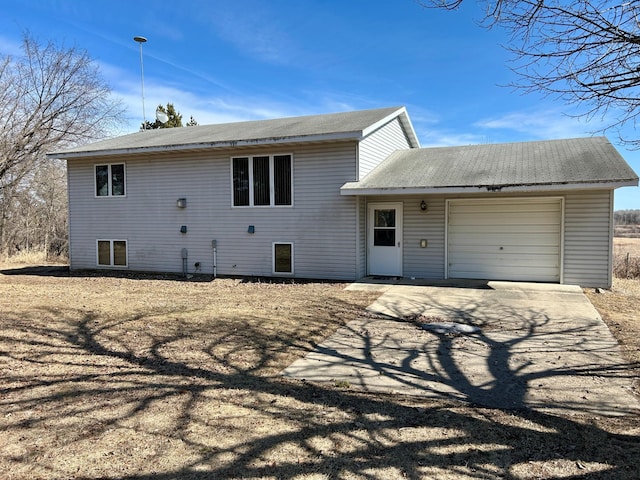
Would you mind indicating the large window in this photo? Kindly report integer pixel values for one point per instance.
(283, 258)
(110, 180)
(263, 180)
(112, 253)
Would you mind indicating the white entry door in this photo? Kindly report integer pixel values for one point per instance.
(384, 239)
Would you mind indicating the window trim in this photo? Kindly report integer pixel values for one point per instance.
(273, 259)
(111, 252)
(109, 180)
(272, 193)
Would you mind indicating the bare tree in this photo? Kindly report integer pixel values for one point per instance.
(627, 217)
(50, 97)
(582, 51)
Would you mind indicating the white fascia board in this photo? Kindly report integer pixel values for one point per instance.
(403, 115)
(349, 189)
(206, 146)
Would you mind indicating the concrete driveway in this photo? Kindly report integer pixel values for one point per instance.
(536, 346)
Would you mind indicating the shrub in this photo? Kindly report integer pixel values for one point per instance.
(626, 266)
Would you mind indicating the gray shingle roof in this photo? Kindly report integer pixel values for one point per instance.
(308, 128)
(552, 162)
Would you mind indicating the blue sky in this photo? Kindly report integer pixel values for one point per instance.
(230, 60)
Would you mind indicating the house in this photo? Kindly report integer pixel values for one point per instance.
(342, 196)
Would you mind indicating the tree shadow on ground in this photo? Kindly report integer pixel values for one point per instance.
(194, 403)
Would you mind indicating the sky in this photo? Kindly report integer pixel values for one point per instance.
(234, 60)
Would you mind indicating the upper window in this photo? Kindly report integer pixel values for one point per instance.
(110, 180)
(263, 180)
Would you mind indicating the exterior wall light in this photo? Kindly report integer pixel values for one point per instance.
(251, 229)
(423, 206)
(182, 203)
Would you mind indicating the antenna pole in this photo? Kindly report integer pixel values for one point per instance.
(142, 40)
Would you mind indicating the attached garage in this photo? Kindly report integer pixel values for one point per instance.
(531, 211)
(505, 239)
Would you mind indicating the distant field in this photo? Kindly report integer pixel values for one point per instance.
(632, 231)
(622, 246)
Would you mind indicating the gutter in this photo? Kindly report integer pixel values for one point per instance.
(356, 136)
(350, 188)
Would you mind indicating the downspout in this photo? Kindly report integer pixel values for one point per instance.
(184, 255)
(214, 246)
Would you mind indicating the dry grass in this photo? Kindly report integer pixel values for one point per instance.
(154, 378)
(33, 257)
(620, 306)
(627, 231)
(620, 309)
(626, 257)
(622, 246)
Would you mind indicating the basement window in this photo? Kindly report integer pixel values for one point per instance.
(112, 253)
(283, 258)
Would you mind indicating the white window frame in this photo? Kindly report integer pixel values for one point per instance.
(111, 264)
(109, 180)
(272, 192)
(273, 259)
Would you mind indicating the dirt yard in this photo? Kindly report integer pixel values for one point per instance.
(133, 377)
(620, 307)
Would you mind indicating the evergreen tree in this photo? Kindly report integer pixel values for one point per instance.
(174, 119)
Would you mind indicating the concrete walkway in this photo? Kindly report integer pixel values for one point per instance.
(537, 346)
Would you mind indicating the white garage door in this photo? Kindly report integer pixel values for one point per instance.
(507, 239)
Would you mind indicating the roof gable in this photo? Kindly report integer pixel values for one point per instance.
(334, 126)
(577, 161)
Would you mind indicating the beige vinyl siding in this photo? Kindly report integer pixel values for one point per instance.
(587, 235)
(588, 241)
(587, 229)
(428, 225)
(378, 145)
(326, 229)
(417, 225)
(148, 217)
(362, 238)
(321, 223)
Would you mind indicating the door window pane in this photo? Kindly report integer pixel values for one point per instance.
(384, 237)
(384, 227)
(385, 218)
(283, 257)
